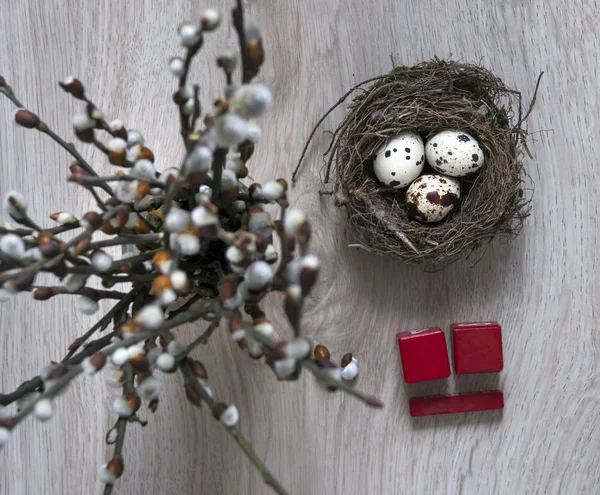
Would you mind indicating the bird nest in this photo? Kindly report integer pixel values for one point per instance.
(428, 98)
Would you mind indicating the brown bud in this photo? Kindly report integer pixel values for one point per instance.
(98, 360)
(115, 466)
(227, 288)
(159, 258)
(60, 270)
(50, 250)
(43, 238)
(76, 344)
(2, 82)
(117, 157)
(142, 189)
(24, 280)
(58, 372)
(198, 369)
(133, 401)
(256, 55)
(283, 184)
(27, 119)
(277, 353)
(140, 362)
(192, 396)
(93, 220)
(108, 229)
(373, 401)
(161, 283)
(218, 409)
(86, 135)
(308, 278)
(73, 87)
(83, 245)
(141, 227)
(321, 352)
(246, 150)
(180, 97)
(146, 154)
(44, 293)
(346, 359)
(254, 189)
(112, 201)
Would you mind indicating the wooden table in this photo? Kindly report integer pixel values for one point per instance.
(543, 287)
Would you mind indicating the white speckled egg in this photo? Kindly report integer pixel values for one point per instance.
(400, 160)
(454, 153)
(431, 197)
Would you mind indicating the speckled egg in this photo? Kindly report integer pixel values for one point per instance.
(454, 153)
(431, 197)
(400, 160)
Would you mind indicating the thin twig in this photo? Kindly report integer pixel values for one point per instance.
(318, 124)
(242, 442)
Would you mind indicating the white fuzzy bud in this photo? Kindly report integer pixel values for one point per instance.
(74, 282)
(230, 416)
(115, 125)
(176, 348)
(134, 137)
(210, 19)
(270, 254)
(238, 335)
(188, 244)
(86, 305)
(202, 217)
(188, 107)
(294, 221)
(165, 362)
(4, 436)
(167, 174)
(167, 297)
(101, 261)
(176, 66)
(151, 317)
(122, 408)
(114, 376)
(133, 153)
(350, 371)
(251, 101)
(12, 246)
(65, 218)
(120, 356)
(235, 165)
(43, 409)
(15, 204)
(228, 60)
(203, 196)
(177, 220)
(178, 279)
(125, 191)
(255, 349)
(105, 476)
(310, 261)
(199, 160)
(117, 145)
(87, 366)
(254, 132)
(234, 255)
(190, 34)
(83, 122)
(150, 388)
(144, 169)
(258, 275)
(298, 348)
(284, 368)
(251, 29)
(272, 191)
(230, 130)
(265, 328)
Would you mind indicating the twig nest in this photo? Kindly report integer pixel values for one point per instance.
(471, 123)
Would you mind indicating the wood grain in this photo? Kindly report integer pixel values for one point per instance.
(543, 287)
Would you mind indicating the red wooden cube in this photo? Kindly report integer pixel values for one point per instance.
(456, 403)
(477, 347)
(424, 355)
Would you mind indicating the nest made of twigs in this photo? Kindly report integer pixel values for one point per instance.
(428, 98)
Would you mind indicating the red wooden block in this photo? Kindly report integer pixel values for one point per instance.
(456, 403)
(424, 355)
(477, 347)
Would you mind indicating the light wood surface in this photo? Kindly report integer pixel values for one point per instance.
(543, 287)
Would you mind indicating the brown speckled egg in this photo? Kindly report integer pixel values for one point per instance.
(431, 197)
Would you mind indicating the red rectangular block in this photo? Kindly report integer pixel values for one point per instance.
(424, 355)
(477, 347)
(456, 403)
